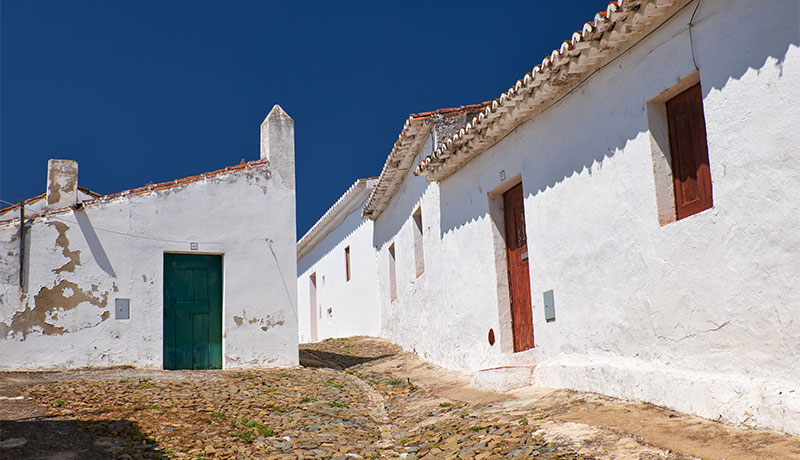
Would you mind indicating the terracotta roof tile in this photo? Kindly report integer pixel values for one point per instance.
(99, 199)
(574, 58)
(589, 49)
(42, 196)
(400, 159)
(182, 181)
(452, 111)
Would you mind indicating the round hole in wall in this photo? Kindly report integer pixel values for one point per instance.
(491, 336)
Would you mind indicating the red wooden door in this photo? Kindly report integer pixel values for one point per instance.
(518, 276)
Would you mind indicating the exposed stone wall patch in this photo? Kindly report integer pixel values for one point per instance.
(62, 240)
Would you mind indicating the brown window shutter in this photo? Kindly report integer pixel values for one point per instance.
(392, 274)
(347, 263)
(691, 174)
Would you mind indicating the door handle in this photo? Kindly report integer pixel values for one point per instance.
(525, 255)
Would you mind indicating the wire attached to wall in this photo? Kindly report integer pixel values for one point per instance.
(269, 242)
(283, 280)
(618, 56)
(153, 238)
(691, 38)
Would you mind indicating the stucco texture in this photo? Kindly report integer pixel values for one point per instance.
(343, 308)
(699, 314)
(78, 261)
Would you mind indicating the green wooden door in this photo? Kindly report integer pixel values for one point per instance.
(192, 311)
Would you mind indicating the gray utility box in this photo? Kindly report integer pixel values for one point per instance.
(549, 306)
(122, 308)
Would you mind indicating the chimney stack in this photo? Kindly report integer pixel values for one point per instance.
(62, 183)
(277, 144)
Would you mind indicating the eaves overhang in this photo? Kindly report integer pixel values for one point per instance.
(354, 196)
(610, 34)
(415, 131)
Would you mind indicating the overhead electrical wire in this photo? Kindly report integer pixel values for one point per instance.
(154, 238)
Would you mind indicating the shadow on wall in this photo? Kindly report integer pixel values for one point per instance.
(608, 111)
(341, 232)
(402, 206)
(93, 242)
(318, 359)
(86, 440)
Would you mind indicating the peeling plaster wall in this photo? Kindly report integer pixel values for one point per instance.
(62, 183)
(701, 314)
(344, 308)
(35, 206)
(78, 262)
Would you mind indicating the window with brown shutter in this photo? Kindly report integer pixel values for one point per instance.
(347, 263)
(419, 254)
(691, 174)
(392, 274)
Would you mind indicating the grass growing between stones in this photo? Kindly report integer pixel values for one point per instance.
(310, 413)
(237, 415)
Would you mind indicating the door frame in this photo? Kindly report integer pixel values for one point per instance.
(518, 261)
(505, 332)
(223, 307)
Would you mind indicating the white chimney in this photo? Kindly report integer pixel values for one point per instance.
(277, 144)
(62, 183)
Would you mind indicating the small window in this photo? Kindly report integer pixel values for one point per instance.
(312, 297)
(419, 256)
(392, 274)
(691, 174)
(347, 263)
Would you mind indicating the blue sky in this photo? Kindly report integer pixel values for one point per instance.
(148, 91)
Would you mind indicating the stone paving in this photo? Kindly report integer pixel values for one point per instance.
(352, 398)
(336, 407)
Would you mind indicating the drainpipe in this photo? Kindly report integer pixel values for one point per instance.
(21, 243)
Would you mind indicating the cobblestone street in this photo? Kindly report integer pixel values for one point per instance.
(352, 398)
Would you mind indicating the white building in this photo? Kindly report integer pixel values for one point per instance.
(192, 273)
(337, 288)
(35, 205)
(622, 220)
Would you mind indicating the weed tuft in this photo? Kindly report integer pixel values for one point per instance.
(263, 430)
(246, 437)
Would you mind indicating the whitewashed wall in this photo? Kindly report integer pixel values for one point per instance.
(37, 206)
(700, 314)
(437, 314)
(78, 262)
(344, 308)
